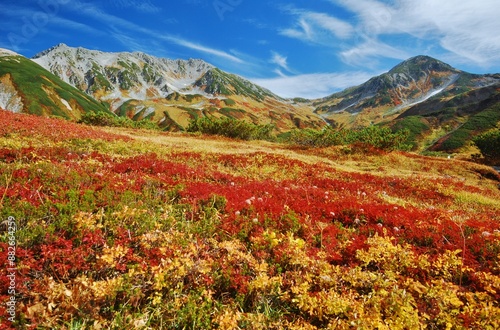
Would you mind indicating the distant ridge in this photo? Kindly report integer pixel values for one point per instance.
(431, 98)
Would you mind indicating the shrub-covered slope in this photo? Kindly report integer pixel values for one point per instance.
(140, 229)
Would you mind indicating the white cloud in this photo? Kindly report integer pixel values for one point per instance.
(302, 32)
(203, 49)
(280, 60)
(125, 38)
(312, 86)
(145, 6)
(80, 27)
(367, 53)
(373, 17)
(317, 27)
(467, 29)
(335, 26)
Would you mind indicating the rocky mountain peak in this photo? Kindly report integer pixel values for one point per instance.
(409, 83)
(57, 48)
(421, 63)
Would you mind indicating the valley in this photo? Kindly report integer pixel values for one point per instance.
(443, 108)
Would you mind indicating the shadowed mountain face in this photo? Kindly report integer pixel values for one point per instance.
(171, 92)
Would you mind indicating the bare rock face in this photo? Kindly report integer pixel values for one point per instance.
(9, 97)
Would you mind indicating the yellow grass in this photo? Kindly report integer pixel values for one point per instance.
(385, 165)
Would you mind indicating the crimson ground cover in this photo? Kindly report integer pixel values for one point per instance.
(116, 233)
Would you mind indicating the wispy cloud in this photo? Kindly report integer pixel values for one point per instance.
(372, 17)
(317, 27)
(78, 26)
(469, 29)
(117, 23)
(145, 6)
(302, 31)
(369, 52)
(201, 48)
(379, 29)
(312, 86)
(464, 29)
(279, 60)
(335, 26)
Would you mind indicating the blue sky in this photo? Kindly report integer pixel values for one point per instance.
(294, 48)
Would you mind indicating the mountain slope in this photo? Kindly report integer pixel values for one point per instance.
(451, 123)
(27, 87)
(217, 82)
(171, 92)
(429, 97)
(411, 82)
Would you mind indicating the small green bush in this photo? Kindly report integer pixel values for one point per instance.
(232, 128)
(489, 144)
(105, 119)
(229, 102)
(319, 138)
(378, 137)
(417, 127)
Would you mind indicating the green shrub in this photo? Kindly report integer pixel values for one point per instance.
(456, 140)
(105, 119)
(383, 138)
(229, 102)
(478, 123)
(489, 144)
(374, 136)
(416, 125)
(232, 128)
(319, 138)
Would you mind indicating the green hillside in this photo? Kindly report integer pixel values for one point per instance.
(43, 93)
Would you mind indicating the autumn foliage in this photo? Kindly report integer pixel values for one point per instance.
(114, 232)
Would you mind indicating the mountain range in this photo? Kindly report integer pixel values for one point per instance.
(171, 92)
(443, 107)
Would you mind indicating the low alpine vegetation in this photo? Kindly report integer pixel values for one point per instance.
(115, 233)
(374, 136)
(489, 144)
(105, 119)
(232, 128)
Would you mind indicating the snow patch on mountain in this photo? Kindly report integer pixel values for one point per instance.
(7, 52)
(452, 79)
(66, 104)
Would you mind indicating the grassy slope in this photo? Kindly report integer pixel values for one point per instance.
(128, 229)
(181, 109)
(41, 91)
